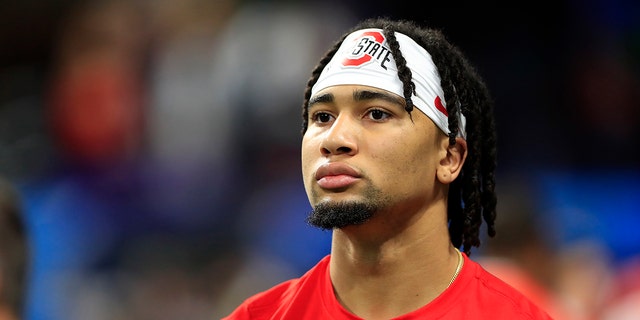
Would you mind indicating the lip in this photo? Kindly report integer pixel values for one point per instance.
(336, 175)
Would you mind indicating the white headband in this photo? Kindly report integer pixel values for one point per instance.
(364, 58)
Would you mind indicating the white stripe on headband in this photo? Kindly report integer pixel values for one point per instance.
(364, 58)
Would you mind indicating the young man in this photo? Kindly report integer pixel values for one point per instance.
(398, 159)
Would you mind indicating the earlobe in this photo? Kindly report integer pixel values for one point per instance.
(450, 166)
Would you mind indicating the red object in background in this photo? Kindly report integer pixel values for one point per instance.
(95, 112)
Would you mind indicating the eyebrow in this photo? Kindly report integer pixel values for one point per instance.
(359, 95)
(323, 98)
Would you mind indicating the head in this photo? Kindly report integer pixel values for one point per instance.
(417, 149)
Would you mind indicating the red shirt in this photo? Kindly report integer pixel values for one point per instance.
(475, 294)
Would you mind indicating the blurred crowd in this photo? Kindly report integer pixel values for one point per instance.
(152, 148)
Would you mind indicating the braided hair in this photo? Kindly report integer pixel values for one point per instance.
(472, 196)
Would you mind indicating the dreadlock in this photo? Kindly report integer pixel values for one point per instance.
(472, 195)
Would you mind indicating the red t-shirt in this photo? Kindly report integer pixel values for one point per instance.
(475, 294)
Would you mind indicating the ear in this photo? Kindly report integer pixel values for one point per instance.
(450, 166)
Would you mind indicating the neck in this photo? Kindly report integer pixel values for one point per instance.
(380, 272)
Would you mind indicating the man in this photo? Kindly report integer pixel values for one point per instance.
(398, 159)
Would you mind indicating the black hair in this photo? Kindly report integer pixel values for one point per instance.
(472, 196)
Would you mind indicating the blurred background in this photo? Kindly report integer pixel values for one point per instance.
(154, 148)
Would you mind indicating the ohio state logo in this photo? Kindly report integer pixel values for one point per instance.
(368, 47)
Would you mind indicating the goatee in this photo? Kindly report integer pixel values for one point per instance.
(332, 215)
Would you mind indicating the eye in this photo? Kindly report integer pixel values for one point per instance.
(321, 117)
(378, 115)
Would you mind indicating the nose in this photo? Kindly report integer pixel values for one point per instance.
(341, 138)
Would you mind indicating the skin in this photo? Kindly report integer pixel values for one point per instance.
(401, 258)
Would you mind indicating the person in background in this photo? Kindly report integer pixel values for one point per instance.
(14, 254)
(398, 161)
(524, 254)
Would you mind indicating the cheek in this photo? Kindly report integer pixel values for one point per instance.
(402, 150)
(307, 152)
(408, 161)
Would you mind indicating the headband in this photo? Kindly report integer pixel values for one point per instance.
(364, 58)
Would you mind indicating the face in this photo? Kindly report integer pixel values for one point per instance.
(364, 154)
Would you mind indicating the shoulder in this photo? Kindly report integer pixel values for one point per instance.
(266, 303)
(502, 299)
(263, 303)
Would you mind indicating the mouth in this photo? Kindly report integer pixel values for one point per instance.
(336, 176)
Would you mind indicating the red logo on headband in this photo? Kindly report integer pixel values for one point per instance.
(440, 107)
(368, 46)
